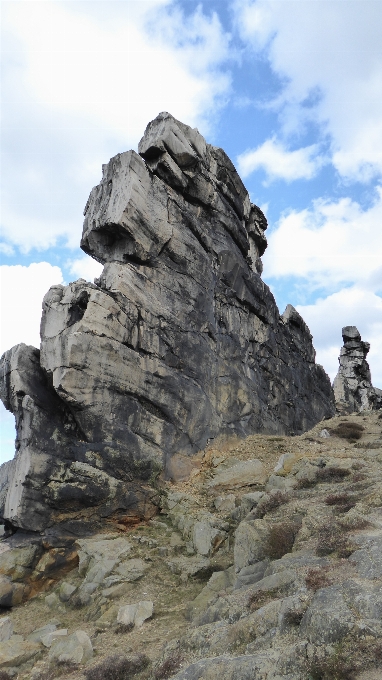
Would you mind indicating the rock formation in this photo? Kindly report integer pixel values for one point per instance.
(352, 386)
(177, 342)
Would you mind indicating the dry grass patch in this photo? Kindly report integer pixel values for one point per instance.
(168, 667)
(280, 540)
(332, 473)
(260, 598)
(332, 539)
(270, 502)
(119, 667)
(342, 501)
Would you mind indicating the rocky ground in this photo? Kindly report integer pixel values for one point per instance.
(265, 565)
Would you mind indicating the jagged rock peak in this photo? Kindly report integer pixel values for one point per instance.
(352, 385)
(177, 342)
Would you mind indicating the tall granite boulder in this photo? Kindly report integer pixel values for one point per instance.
(352, 386)
(177, 342)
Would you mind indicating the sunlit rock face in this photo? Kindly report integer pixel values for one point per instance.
(352, 385)
(177, 342)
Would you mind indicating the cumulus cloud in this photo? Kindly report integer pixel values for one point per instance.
(332, 243)
(328, 55)
(278, 163)
(353, 306)
(22, 290)
(81, 81)
(85, 268)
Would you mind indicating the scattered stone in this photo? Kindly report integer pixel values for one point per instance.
(11, 594)
(246, 473)
(76, 648)
(287, 461)
(39, 633)
(324, 434)
(52, 601)
(49, 638)
(132, 570)
(16, 651)
(176, 540)
(192, 566)
(207, 538)
(66, 591)
(225, 503)
(135, 614)
(6, 628)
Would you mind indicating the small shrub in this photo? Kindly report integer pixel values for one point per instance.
(343, 501)
(124, 628)
(358, 477)
(332, 474)
(337, 499)
(348, 430)
(331, 539)
(293, 617)
(354, 523)
(168, 667)
(56, 670)
(270, 502)
(280, 539)
(258, 599)
(317, 578)
(305, 483)
(337, 667)
(119, 667)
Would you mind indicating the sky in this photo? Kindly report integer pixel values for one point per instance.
(290, 89)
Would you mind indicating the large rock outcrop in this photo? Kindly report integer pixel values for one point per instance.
(352, 386)
(178, 341)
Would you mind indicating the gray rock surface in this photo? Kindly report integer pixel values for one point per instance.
(135, 614)
(352, 385)
(74, 649)
(177, 342)
(6, 628)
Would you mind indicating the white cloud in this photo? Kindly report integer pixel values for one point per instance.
(22, 291)
(333, 243)
(85, 268)
(6, 249)
(279, 163)
(348, 307)
(120, 75)
(81, 81)
(8, 434)
(330, 53)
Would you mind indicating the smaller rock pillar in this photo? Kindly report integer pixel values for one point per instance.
(353, 390)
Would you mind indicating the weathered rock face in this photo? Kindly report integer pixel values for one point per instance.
(178, 341)
(352, 386)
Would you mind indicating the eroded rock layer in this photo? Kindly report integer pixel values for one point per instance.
(179, 340)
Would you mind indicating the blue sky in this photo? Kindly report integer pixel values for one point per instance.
(291, 89)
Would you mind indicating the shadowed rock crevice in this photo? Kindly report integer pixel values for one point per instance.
(177, 342)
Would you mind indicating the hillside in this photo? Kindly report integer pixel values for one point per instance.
(244, 573)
